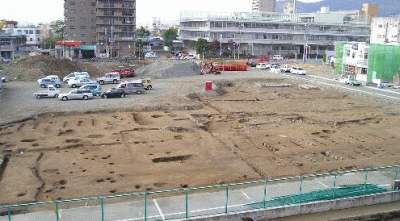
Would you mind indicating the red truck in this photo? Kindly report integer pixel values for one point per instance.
(125, 73)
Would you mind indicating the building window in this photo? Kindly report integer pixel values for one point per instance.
(38, 32)
(38, 39)
(30, 39)
(30, 32)
(19, 31)
(72, 11)
(380, 26)
(72, 27)
(93, 4)
(72, 3)
(72, 19)
(83, 19)
(83, 27)
(26, 32)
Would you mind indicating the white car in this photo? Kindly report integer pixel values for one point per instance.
(77, 82)
(277, 57)
(74, 75)
(262, 66)
(275, 69)
(150, 55)
(109, 78)
(51, 77)
(76, 95)
(297, 70)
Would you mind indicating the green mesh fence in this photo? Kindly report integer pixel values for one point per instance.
(383, 62)
(320, 195)
(339, 57)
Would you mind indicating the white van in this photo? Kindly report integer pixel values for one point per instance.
(277, 57)
(132, 87)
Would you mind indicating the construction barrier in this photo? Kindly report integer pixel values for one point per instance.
(231, 67)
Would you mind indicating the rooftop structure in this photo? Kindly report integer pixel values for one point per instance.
(263, 5)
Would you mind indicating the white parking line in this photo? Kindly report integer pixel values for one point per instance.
(246, 195)
(323, 184)
(159, 209)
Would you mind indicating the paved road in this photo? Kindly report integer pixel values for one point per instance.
(202, 203)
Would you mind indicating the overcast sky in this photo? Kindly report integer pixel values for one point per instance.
(36, 11)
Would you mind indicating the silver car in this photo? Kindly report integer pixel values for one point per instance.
(132, 87)
(76, 95)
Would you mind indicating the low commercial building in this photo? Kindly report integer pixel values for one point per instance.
(287, 34)
(375, 63)
(11, 46)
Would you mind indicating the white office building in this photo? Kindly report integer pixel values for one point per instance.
(385, 30)
(34, 35)
(287, 34)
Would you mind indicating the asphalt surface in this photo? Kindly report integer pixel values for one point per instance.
(160, 207)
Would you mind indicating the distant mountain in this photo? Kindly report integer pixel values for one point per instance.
(387, 7)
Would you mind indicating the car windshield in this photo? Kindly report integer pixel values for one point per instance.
(300, 68)
(113, 89)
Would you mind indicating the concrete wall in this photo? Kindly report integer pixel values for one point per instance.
(307, 208)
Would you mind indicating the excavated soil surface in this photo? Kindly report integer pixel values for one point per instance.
(254, 129)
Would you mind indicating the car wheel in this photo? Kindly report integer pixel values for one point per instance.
(42, 85)
(101, 82)
(114, 81)
(122, 95)
(73, 86)
(56, 96)
(58, 86)
(105, 96)
(64, 98)
(149, 87)
(85, 97)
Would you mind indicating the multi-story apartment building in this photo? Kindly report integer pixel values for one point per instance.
(263, 5)
(274, 33)
(385, 30)
(110, 24)
(34, 34)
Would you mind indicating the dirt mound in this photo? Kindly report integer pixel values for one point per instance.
(35, 67)
(163, 69)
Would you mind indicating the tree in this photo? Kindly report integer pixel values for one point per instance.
(170, 35)
(215, 45)
(142, 32)
(56, 34)
(201, 46)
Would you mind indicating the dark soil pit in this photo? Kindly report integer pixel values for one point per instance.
(100, 180)
(160, 184)
(171, 159)
(66, 132)
(137, 186)
(95, 136)
(113, 191)
(72, 140)
(156, 116)
(178, 137)
(20, 194)
(28, 140)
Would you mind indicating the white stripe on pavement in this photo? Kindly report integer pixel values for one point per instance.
(159, 209)
(323, 184)
(246, 195)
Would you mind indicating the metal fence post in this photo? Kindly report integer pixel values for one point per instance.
(365, 179)
(187, 203)
(102, 208)
(301, 185)
(145, 206)
(335, 181)
(265, 194)
(395, 177)
(9, 213)
(227, 198)
(57, 217)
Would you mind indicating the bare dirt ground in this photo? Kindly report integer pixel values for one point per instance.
(245, 130)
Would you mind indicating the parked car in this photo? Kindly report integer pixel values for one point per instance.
(113, 93)
(251, 64)
(286, 68)
(132, 87)
(53, 77)
(190, 57)
(150, 55)
(263, 66)
(74, 75)
(76, 95)
(277, 57)
(147, 84)
(125, 72)
(109, 78)
(44, 82)
(352, 81)
(78, 82)
(94, 88)
(297, 70)
(275, 69)
(51, 91)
